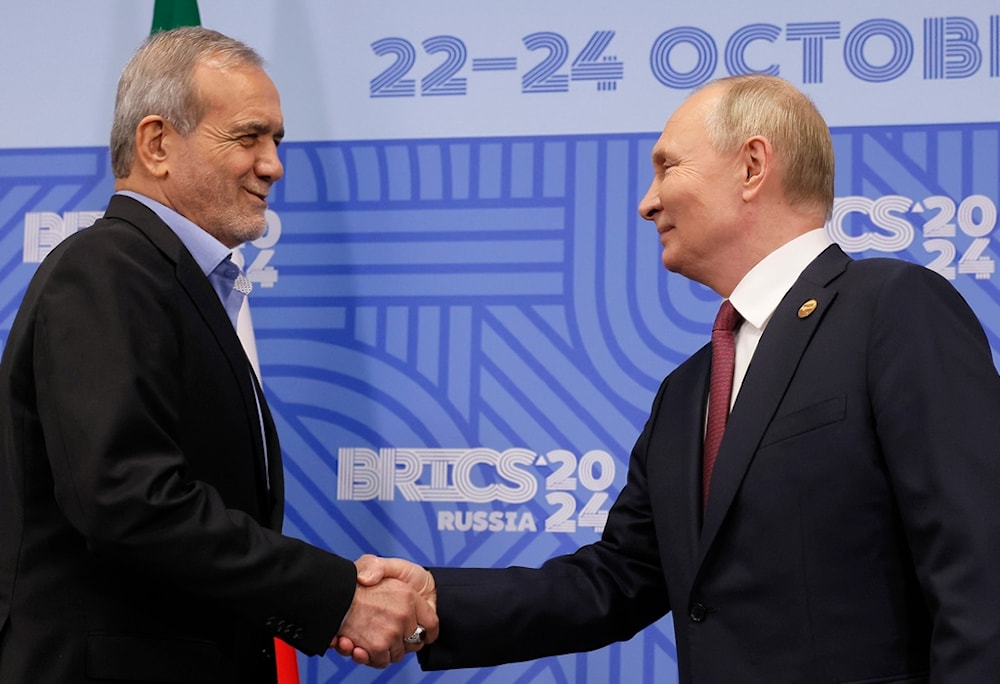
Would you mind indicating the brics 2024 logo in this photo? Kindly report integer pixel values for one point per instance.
(954, 234)
(43, 230)
(484, 476)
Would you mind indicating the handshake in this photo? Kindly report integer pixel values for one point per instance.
(394, 612)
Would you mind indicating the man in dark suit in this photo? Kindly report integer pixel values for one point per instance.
(140, 472)
(849, 531)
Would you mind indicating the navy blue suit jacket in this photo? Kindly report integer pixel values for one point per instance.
(853, 530)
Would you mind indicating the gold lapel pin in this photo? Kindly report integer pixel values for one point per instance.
(807, 308)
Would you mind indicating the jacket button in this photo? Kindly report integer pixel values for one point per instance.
(698, 612)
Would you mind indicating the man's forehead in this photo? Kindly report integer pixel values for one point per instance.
(696, 105)
(208, 75)
(244, 94)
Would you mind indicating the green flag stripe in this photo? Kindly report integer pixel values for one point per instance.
(171, 14)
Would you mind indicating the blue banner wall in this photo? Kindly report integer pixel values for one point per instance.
(461, 318)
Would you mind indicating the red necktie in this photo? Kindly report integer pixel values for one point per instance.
(720, 387)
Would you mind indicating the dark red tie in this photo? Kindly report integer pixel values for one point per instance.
(720, 387)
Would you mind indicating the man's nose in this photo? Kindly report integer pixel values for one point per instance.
(269, 165)
(650, 203)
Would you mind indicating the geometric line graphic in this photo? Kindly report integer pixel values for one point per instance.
(503, 294)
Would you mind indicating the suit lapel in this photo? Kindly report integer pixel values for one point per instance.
(684, 403)
(199, 290)
(275, 471)
(777, 356)
(191, 278)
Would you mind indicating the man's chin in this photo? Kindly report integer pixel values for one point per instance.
(669, 262)
(233, 237)
(253, 230)
(255, 234)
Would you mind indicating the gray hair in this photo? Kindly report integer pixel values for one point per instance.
(159, 80)
(756, 104)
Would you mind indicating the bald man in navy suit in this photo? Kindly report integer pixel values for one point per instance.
(850, 529)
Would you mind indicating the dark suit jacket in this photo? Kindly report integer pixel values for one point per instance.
(139, 540)
(853, 532)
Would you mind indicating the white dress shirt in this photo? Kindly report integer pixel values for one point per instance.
(760, 291)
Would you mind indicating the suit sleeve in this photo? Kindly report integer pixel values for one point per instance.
(603, 593)
(936, 399)
(108, 353)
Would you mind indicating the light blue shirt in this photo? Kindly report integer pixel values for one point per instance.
(213, 258)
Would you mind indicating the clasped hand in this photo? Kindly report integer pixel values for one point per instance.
(393, 598)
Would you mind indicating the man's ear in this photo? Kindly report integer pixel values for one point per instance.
(151, 145)
(756, 157)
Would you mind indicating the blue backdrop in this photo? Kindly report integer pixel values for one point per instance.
(461, 319)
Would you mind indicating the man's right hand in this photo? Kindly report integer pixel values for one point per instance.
(375, 574)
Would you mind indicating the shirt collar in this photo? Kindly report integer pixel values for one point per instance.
(760, 291)
(208, 252)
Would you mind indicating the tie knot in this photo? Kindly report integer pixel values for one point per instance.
(243, 284)
(728, 317)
